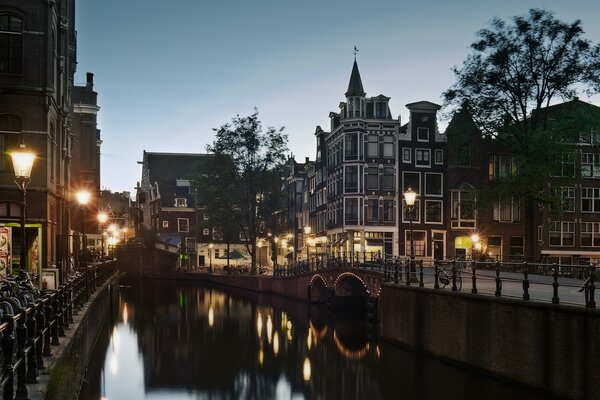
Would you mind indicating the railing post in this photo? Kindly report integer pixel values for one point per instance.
(47, 320)
(474, 277)
(498, 291)
(525, 281)
(454, 287)
(408, 272)
(32, 372)
(590, 301)
(22, 392)
(436, 273)
(39, 344)
(555, 299)
(54, 320)
(8, 345)
(396, 268)
(421, 283)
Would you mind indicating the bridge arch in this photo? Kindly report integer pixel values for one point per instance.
(317, 289)
(351, 289)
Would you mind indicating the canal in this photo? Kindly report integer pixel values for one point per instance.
(175, 340)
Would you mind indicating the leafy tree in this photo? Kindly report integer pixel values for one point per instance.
(237, 182)
(516, 71)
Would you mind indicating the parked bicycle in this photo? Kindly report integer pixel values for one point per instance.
(445, 276)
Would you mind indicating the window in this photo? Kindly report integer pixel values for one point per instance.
(8, 123)
(507, 210)
(411, 180)
(388, 211)
(416, 212)
(389, 178)
(494, 246)
(183, 225)
(206, 231)
(501, 167)
(381, 110)
(406, 155)
(418, 243)
(372, 210)
(351, 145)
(11, 44)
(217, 234)
(372, 178)
(462, 209)
(351, 179)
(590, 199)
(423, 157)
(165, 224)
(372, 146)
(590, 165)
(388, 146)
(351, 211)
(562, 233)
(564, 166)
(439, 156)
(433, 211)
(589, 137)
(516, 247)
(205, 216)
(590, 234)
(423, 134)
(190, 245)
(564, 197)
(180, 202)
(433, 184)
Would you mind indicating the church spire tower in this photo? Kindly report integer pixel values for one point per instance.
(355, 95)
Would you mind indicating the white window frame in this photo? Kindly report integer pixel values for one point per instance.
(440, 153)
(424, 151)
(594, 233)
(180, 202)
(515, 210)
(179, 221)
(417, 190)
(562, 232)
(407, 243)
(441, 194)
(441, 221)
(595, 195)
(422, 129)
(406, 151)
(591, 160)
(416, 213)
(206, 231)
(165, 224)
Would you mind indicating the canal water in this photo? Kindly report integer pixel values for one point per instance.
(169, 340)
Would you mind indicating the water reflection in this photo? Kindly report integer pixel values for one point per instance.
(177, 341)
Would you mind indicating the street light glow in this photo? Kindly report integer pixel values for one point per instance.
(22, 162)
(102, 217)
(409, 197)
(83, 197)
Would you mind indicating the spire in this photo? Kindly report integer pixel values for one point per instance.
(355, 87)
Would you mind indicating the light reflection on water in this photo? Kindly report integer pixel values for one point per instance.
(177, 341)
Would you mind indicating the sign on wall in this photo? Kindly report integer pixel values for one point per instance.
(5, 252)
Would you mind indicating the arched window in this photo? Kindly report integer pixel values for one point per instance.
(11, 44)
(8, 124)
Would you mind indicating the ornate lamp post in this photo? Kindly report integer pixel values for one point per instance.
(210, 247)
(409, 198)
(83, 198)
(22, 164)
(102, 218)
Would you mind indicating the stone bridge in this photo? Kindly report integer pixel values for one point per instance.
(343, 286)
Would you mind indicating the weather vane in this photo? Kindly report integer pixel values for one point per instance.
(355, 52)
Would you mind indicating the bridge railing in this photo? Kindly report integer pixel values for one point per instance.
(556, 283)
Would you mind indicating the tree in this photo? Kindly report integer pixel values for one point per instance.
(516, 71)
(240, 173)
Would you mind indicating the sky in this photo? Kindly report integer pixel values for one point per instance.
(168, 72)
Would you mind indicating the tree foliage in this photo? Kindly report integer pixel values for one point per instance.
(519, 68)
(239, 180)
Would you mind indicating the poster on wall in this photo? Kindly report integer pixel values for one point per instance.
(5, 246)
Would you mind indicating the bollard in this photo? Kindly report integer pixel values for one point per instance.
(555, 299)
(498, 291)
(32, 372)
(421, 284)
(525, 281)
(590, 301)
(454, 287)
(474, 277)
(436, 273)
(21, 330)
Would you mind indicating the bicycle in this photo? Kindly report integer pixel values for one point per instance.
(445, 277)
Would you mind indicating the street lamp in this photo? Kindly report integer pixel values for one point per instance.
(259, 244)
(306, 229)
(475, 245)
(409, 198)
(102, 218)
(22, 164)
(210, 247)
(83, 198)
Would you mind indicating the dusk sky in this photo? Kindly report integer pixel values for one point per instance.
(166, 73)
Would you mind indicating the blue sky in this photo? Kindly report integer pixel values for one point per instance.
(168, 72)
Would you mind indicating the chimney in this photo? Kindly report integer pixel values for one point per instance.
(306, 160)
(90, 81)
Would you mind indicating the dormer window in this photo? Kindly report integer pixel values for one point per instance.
(380, 110)
(180, 202)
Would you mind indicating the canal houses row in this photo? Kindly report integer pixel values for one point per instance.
(368, 159)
